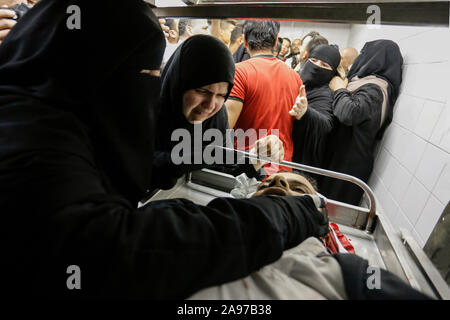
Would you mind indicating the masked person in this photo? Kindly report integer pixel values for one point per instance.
(315, 122)
(364, 109)
(77, 130)
(196, 82)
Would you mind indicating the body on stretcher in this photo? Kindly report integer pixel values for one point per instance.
(364, 231)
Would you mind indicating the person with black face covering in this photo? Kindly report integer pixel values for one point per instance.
(313, 124)
(77, 130)
(196, 82)
(364, 109)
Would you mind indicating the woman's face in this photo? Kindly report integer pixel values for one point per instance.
(202, 103)
(320, 63)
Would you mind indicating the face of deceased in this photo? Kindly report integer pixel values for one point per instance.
(202, 103)
(285, 184)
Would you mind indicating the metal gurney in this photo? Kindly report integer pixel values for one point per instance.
(370, 232)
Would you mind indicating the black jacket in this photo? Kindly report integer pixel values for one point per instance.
(353, 140)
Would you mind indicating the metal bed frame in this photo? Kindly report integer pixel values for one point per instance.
(369, 231)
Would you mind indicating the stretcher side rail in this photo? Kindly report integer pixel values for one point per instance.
(354, 216)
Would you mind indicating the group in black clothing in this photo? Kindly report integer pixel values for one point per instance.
(82, 121)
(340, 130)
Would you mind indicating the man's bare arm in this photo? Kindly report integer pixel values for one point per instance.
(234, 108)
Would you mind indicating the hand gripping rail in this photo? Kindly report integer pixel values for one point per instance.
(332, 205)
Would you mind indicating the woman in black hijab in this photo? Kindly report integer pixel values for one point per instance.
(76, 147)
(310, 133)
(200, 70)
(364, 109)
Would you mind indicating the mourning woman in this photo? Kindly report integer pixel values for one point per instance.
(77, 135)
(364, 109)
(311, 131)
(195, 84)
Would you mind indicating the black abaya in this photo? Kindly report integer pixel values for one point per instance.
(360, 112)
(310, 133)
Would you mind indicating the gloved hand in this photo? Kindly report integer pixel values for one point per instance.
(301, 104)
(270, 147)
(244, 187)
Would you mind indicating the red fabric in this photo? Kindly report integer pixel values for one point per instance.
(330, 241)
(268, 89)
(342, 238)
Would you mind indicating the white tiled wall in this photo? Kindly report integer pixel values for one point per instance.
(411, 177)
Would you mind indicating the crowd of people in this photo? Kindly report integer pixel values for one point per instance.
(307, 89)
(85, 126)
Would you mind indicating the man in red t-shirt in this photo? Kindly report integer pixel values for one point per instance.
(265, 89)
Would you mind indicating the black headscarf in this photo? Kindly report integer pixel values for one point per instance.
(383, 59)
(80, 91)
(315, 76)
(200, 60)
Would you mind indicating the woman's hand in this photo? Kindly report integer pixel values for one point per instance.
(301, 104)
(268, 147)
(338, 83)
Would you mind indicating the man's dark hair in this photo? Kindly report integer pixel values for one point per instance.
(171, 23)
(314, 42)
(182, 26)
(278, 47)
(261, 34)
(235, 34)
(311, 34)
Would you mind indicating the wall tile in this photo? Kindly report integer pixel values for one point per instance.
(385, 203)
(431, 166)
(374, 183)
(411, 81)
(414, 200)
(381, 161)
(432, 38)
(408, 110)
(441, 131)
(429, 217)
(442, 189)
(413, 151)
(389, 174)
(428, 119)
(397, 141)
(401, 221)
(400, 183)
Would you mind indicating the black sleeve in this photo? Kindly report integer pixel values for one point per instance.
(354, 108)
(360, 282)
(310, 133)
(173, 248)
